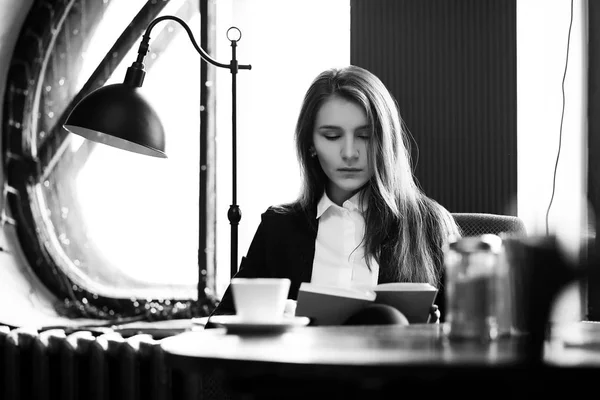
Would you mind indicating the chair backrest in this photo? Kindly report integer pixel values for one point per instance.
(474, 224)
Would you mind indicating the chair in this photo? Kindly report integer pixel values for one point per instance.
(475, 224)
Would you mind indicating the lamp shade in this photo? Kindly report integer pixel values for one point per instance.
(118, 115)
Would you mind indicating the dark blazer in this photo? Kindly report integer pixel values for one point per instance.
(283, 247)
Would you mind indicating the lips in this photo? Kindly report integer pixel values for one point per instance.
(349, 169)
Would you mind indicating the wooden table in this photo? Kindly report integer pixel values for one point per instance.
(375, 361)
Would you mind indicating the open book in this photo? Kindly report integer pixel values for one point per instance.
(328, 305)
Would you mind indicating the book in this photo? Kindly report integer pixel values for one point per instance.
(329, 305)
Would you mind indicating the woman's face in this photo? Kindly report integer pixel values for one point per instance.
(341, 139)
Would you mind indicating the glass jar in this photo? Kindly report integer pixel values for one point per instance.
(476, 288)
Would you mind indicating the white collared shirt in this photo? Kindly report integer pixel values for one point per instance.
(339, 254)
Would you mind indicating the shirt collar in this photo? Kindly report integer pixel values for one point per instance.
(352, 204)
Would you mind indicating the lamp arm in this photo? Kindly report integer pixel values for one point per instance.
(145, 44)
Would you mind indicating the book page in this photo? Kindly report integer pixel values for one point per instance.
(404, 286)
(338, 291)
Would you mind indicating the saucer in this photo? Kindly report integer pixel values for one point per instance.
(235, 324)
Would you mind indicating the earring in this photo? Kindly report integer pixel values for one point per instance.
(312, 152)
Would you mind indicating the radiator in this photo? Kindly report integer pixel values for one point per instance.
(52, 365)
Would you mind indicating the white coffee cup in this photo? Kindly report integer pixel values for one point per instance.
(260, 299)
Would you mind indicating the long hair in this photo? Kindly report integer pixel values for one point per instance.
(405, 231)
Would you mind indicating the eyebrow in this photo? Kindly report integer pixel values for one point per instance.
(362, 127)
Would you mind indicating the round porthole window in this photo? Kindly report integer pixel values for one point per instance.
(114, 234)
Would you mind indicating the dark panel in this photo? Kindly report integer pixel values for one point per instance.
(593, 288)
(451, 64)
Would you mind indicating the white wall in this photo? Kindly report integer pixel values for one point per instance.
(542, 34)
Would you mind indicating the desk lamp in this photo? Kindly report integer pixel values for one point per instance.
(118, 115)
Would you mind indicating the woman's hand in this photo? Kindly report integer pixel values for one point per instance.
(434, 315)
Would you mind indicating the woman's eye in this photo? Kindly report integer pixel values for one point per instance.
(332, 137)
(363, 134)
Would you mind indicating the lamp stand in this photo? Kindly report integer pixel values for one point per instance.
(234, 214)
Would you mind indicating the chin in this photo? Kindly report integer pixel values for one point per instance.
(351, 188)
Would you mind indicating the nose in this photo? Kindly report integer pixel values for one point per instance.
(349, 149)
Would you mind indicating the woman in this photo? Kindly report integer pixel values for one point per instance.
(360, 219)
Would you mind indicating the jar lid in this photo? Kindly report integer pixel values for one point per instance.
(473, 244)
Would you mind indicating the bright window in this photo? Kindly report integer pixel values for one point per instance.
(142, 212)
(118, 224)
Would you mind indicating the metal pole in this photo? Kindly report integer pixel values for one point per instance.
(234, 214)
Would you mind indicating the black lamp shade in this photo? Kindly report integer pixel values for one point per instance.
(118, 115)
